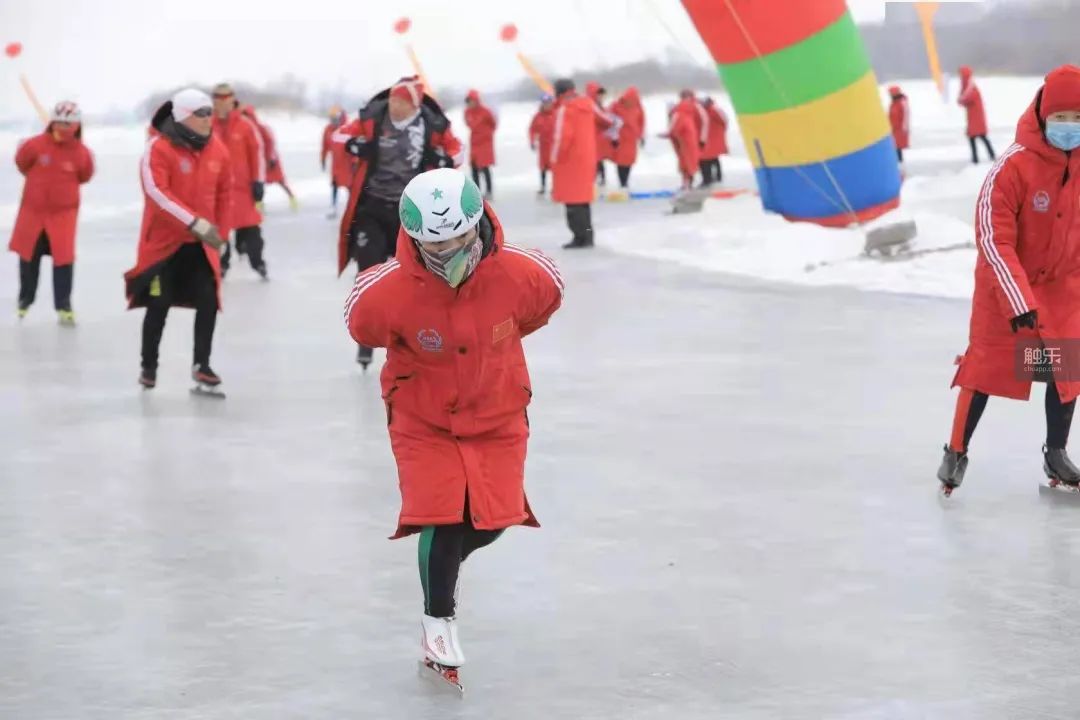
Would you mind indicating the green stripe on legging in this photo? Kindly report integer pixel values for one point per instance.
(809, 70)
(424, 552)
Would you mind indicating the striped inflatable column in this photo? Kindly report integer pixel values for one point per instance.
(808, 106)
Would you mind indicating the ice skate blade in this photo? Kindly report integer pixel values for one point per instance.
(204, 390)
(1055, 488)
(446, 676)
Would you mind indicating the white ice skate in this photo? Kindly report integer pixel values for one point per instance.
(442, 649)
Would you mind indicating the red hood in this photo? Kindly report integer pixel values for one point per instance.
(409, 256)
(1029, 133)
(631, 97)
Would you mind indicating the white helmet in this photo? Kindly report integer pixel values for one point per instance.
(440, 204)
(66, 111)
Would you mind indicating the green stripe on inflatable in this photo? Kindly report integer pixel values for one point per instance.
(814, 68)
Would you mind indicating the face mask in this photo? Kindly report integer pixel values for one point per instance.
(1063, 135)
(456, 264)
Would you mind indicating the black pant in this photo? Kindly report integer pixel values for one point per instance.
(543, 179)
(624, 175)
(1058, 417)
(374, 231)
(63, 277)
(249, 241)
(442, 550)
(974, 150)
(579, 220)
(486, 173)
(601, 172)
(186, 279)
(711, 172)
(900, 154)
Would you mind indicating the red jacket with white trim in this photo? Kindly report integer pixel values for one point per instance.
(455, 381)
(248, 157)
(573, 150)
(179, 185)
(54, 170)
(1027, 229)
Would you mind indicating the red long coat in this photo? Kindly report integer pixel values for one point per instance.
(482, 124)
(573, 150)
(455, 381)
(342, 165)
(605, 149)
(50, 199)
(179, 185)
(685, 136)
(715, 133)
(248, 157)
(971, 99)
(628, 109)
(1027, 228)
(275, 171)
(541, 132)
(900, 121)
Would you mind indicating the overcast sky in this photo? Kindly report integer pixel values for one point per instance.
(110, 54)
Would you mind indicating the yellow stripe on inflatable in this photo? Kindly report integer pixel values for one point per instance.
(834, 126)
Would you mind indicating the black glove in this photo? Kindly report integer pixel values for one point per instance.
(257, 191)
(357, 147)
(1030, 319)
(701, 145)
(271, 164)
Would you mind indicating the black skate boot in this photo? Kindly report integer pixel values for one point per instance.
(951, 473)
(206, 381)
(1059, 469)
(261, 269)
(364, 355)
(148, 378)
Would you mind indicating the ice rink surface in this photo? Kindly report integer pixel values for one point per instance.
(735, 481)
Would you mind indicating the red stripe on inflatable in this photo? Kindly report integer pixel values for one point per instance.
(773, 24)
(844, 219)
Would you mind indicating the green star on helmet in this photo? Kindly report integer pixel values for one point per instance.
(436, 194)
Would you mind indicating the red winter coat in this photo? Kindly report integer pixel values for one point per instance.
(541, 132)
(342, 165)
(605, 149)
(179, 185)
(455, 381)
(685, 134)
(275, 172)
(971, 99)
(248, 156)
(715, 132)
(573, 150)
(50, 199)
(900, 120)
(441, 148)
(1027, 228)
(482, 124)
(628, 109)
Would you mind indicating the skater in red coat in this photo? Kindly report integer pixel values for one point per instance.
(685, 135)
(451, 309)
(1025, 314)
(607, 131)
(900, 120)
(573, 160)
(275, 171)
(54, 163)
(482, 123)
(631, 132)
(342, 165)
(971, 100)
(716, 124)
(187, 182)
(541, 131)
(247, 156)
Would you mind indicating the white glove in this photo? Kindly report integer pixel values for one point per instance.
(206, 232)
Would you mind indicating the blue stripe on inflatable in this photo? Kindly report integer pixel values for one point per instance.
(868, 177)
(644, 195)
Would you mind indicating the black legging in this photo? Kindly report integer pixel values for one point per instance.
(601, 172)
(624, 175)
(543, 180)
(711, 172)
(249, 241)
(442, 550)
(485, 172)
(974, 150)
(1058, 416)
(63, 277)
(185, 278)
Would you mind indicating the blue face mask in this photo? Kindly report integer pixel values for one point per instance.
(1063, 135)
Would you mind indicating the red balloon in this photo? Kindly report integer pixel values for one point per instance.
(13, 49)
(402, 26)
(509, 32)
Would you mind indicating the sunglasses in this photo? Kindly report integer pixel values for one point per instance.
(203, 112)
(226, 96)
